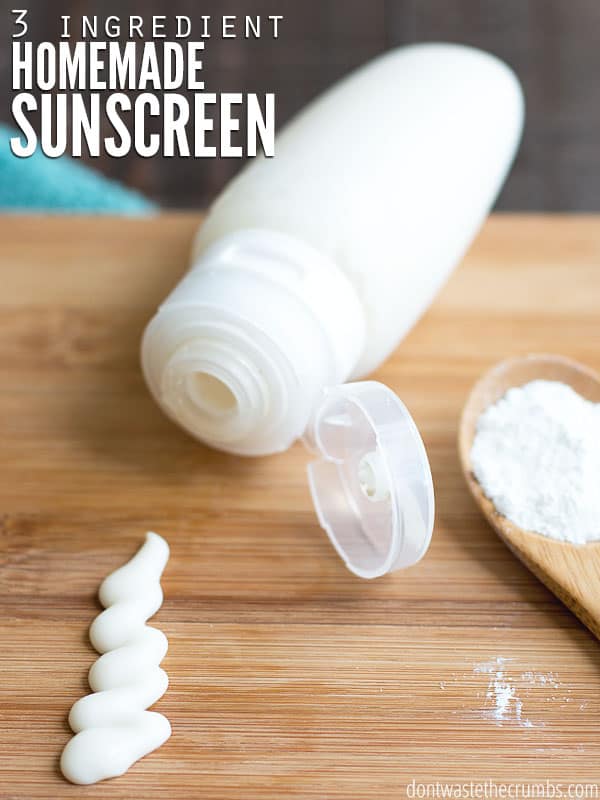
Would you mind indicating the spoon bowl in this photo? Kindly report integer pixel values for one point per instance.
(571, 571)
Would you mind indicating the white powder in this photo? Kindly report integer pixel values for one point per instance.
(536, 454)
(503, 694)
(494, 665)
(507, 696)
(502, 703)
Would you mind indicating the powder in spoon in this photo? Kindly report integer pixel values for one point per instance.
(536, 455)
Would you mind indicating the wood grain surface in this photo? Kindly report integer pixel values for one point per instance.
(289, 676)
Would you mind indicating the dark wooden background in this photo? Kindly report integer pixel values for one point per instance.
(554, 45)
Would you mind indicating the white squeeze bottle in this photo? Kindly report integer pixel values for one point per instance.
(312, 265)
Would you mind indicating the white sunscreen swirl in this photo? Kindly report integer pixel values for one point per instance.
(112, 727)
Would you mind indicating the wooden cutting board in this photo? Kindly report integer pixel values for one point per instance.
(289, 676)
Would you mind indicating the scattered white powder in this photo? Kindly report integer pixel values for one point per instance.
(491, 666)
(536, 454)
(508, 690)
(503, 694)
(541, 679)
(502, 703)
(510, 696)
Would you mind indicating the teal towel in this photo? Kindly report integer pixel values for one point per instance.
(61, 185)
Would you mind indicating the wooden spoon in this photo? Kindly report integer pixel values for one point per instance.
(571, 571)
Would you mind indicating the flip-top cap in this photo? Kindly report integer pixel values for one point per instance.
(371, 485)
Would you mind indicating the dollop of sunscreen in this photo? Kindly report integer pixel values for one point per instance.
(112, 727)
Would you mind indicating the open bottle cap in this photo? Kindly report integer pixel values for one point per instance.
(371, 483)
